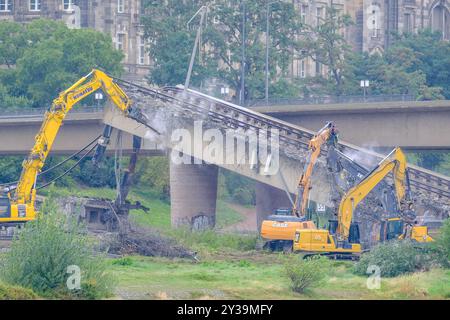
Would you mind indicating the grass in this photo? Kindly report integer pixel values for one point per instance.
(231, 269)
(261, 276)
(159, 215)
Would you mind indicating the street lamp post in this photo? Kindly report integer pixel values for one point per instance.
(365, 84)
(267, 50)
(244, 20)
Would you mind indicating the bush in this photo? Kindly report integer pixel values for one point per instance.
(397, 257)
(16, 293)
(125, 261)
(42, 252)
(442, 244)
(243, 196)
(305, 274)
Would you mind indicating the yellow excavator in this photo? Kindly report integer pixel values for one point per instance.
(18, 206)
(342, 238)
(278, 230)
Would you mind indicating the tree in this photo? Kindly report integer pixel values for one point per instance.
(424, 52)
(171, 42)
(324, 43)
(49, 57)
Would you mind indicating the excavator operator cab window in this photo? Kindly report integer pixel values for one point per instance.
(394, 229)
(282, 212)
(5, 206)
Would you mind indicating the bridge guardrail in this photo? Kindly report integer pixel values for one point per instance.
(26, 112)
(330, 100)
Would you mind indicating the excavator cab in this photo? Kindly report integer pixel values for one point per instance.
(391, 229)
(5, 207)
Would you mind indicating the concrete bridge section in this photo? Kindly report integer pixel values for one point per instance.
(413, 125)
(194, 186)
(165, 106)
(17, 133)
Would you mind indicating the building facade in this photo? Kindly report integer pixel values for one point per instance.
(119, 18)
(375, 22)
(383, 18)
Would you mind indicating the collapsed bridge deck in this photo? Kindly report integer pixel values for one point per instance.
(234, 116)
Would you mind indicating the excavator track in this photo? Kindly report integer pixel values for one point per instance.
(234, 116)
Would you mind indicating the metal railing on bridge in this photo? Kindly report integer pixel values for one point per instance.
(330, 100)
(27, 112)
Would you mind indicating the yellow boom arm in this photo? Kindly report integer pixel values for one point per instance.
(396, 162)
(23, 197)
(304, 183)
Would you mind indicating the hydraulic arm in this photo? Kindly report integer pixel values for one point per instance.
(22, 198)
(395, 162)
(326, 134)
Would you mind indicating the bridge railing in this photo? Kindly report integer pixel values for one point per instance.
(26, 112)
(330, 100)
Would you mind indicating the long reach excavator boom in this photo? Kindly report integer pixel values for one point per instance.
(326, 134)
(19, 206)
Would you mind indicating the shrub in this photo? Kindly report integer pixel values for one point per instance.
(395, 258)
(125, 261)
(8, 292)
(243, 196)
(42, 252)
(442, 244)
(305, 274)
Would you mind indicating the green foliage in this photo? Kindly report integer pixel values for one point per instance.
(42, 252)
(307, 273)
(8, 292)
(10, 168)
(214, 241)
(427, 53)
(45, 57)
(125, 261)
(152, 173)
(324, 44)
(442, 244)
(172, 42)
(397, 257)
(236, 188)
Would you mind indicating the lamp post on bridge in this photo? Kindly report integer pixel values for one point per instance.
(364, 84)
(267, 49)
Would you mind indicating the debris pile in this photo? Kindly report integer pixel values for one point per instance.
(146, 242)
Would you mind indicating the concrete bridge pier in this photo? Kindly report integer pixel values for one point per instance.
(193, 194)
(269, 199)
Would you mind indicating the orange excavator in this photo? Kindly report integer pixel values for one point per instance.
(278, 230)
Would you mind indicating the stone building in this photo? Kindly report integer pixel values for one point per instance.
(119, 18)
(383, 18)
(375, 23)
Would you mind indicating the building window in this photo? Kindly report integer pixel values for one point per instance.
(302, 69)
(5, 5)
(120, 44)
(67, 5)
(141, 46)
(35, 5)
(408, 23)
(120, 6)
(318, 69)
(303, 10)
(319, 16)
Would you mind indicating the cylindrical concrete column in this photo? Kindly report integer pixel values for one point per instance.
(269, 199)
(193, 194)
